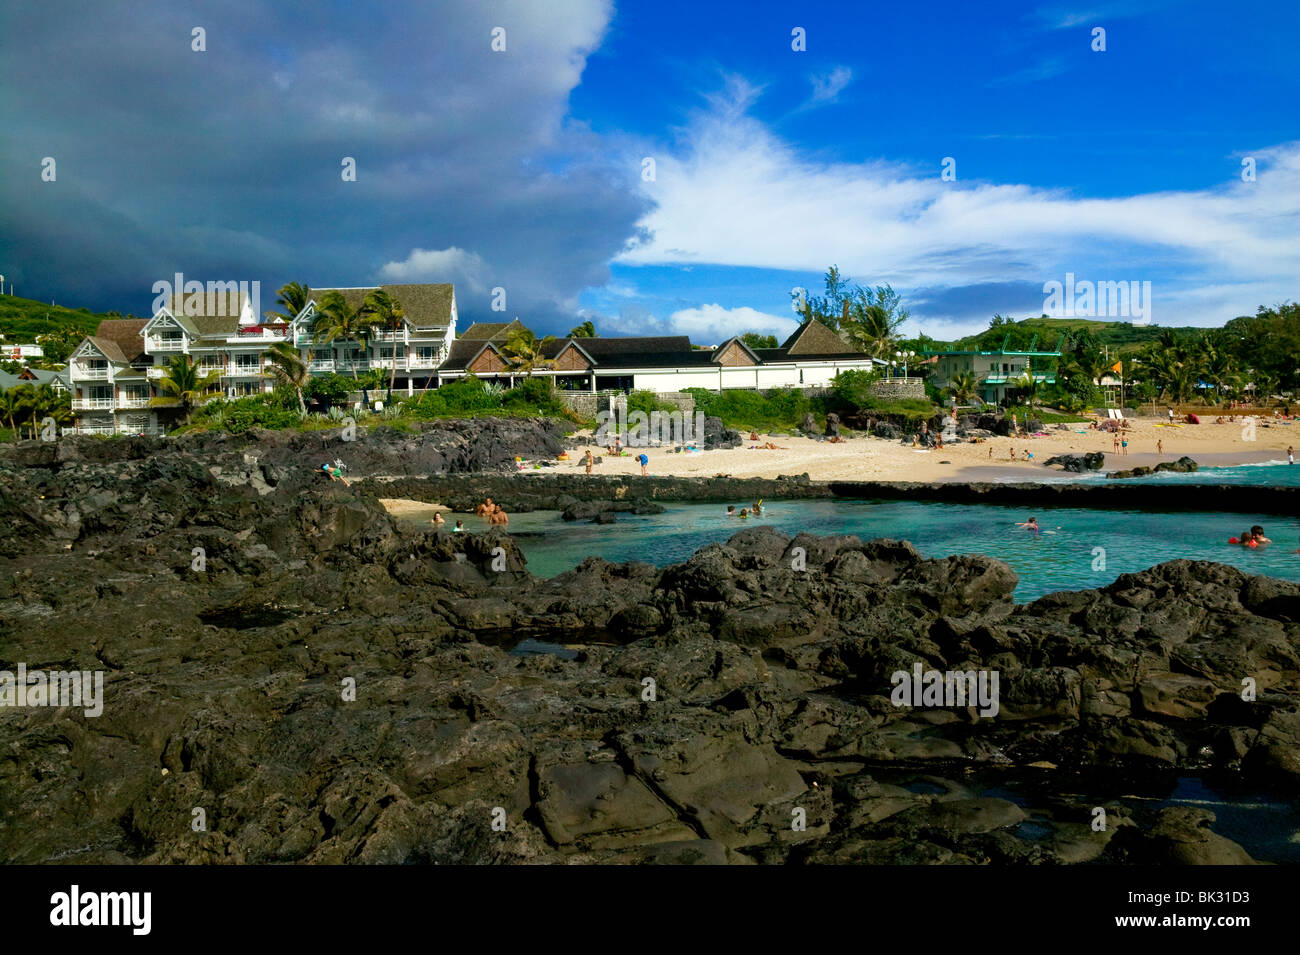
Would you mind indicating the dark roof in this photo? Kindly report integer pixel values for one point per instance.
(464, 351)
(663, 351)
(425, 306)
(777, 355)
(119, 338)
(812, 338)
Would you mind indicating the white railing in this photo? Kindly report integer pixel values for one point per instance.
(92, 404)
(321, 364)
(235, 370)
(133, 401)
(166, 344)
(417, 361)
(91, 372)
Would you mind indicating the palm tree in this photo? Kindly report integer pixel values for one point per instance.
(963, 386)
(388, 315)
(293, 299)
(1029, 386)
(183, 386)
(11, 406)
(285, 365)
(525, 351)
(337, 320)
(585, 330)
(871, 329)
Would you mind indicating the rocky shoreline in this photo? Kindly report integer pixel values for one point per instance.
(328, 684)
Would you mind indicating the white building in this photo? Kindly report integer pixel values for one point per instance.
(811, 357)
(428, 328)
(114, 373)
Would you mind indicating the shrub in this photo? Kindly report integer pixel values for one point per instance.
(332, 389)
(741, 408)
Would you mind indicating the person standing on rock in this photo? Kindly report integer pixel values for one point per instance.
(645, 463)
(589, 460)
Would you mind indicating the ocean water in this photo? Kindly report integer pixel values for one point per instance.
(1260, 474)
(1065, 555)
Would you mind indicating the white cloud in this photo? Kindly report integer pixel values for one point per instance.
(716, 323)
(737, 195)
(440, 265)
(827, 88)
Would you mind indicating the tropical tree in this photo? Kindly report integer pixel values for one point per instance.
(1029, 387)
(285, 365)
(755, 340)
(387, 314)
(585, 330)
(292, 299)
(183, 387)
(336, 320)
(525, 351)
(12, 408)
(963, 386)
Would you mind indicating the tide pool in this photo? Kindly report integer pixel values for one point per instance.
(1061, 557)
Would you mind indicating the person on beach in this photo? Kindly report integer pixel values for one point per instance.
(1290, 455)
(1124, 446)
(498, 517)
(1013, 453)
(1115, 444)
(589, 460)
(1160, 447)
(990, 452)
(1029, 525)
(1029, 455)
(1171, 415)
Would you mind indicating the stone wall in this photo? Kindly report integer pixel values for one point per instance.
(895, 388)
(588, 404)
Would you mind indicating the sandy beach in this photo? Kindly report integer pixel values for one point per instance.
(863, 458)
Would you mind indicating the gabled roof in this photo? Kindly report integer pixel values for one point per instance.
(717, 352)
(812, 338)
(492, 331)
(35, 377)
(424, 306)
(463, 352)
(118, 339)
(208, 314)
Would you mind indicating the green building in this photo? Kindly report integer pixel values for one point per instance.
(995, 371)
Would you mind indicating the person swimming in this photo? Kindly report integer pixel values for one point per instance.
(731, 510)
(1257, 535)
(744, 512)
(1029, 525)
(459, 528)
(757, 508)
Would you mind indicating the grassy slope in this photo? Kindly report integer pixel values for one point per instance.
(1118, 335)
(21, 319)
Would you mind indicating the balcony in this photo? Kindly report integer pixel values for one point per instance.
(238, 370)
(90, 372)
(165, 344)
(321, 364)
(92, 404)
(133, 401)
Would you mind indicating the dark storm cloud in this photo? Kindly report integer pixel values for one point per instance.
(226, 164)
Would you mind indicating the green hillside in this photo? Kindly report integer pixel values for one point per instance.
(1122, 337)
(21, 319)
(57, 328)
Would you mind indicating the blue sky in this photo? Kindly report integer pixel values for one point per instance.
(522, 169)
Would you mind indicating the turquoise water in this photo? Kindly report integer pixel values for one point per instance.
(1263, 474)
(1061, 557)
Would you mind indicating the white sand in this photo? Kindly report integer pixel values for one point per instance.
(876, 459)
